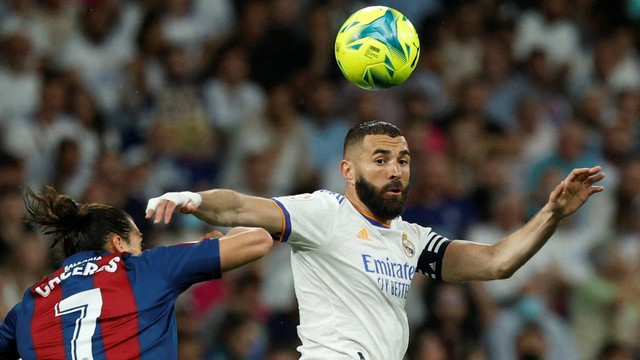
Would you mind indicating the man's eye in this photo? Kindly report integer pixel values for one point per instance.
(380, 161)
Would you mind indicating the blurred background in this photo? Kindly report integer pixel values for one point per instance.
(117, 101)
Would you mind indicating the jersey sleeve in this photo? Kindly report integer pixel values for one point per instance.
(430, 260)
(8, 340)
(308, 219)
(183, 265)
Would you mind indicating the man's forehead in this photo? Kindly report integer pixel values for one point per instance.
(372, 143)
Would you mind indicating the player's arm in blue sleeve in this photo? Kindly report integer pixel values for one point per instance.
(8, 339)
(185, 264)
(241, 246)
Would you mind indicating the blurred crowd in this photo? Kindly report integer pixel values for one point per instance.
(117, 101)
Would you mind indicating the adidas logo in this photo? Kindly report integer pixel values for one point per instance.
(363, 235)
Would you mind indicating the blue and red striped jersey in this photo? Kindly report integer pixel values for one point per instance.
(100, 305)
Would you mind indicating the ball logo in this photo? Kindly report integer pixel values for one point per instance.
(407, 246)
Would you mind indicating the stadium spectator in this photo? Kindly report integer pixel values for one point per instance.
(97, 53)
(285, 140)
(145, 74)
(35, 139)
(419, 126)
(550, 29)
(427, 344)
(230, 97)
(67, 172)
(462, 44)
(29, 260)
(179, 110)
(454, 314)
(102, 133)
(197, 25)
(438, 201)
(616, 351)
(531, 325)
(282, 35)
(60, 19)
(20, 81)
(325, 129)
(23, 16)
(606, 307)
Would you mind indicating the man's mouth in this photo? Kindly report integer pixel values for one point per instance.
(394, 190)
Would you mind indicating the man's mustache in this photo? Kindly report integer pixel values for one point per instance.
(397, 184)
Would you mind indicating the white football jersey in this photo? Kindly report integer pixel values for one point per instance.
(352, 275)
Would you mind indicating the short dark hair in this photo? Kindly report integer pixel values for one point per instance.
(75, 227)
(357, 133)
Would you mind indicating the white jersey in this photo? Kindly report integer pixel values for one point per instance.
(352, 275)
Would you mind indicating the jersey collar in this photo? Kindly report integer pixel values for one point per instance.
(373, 221)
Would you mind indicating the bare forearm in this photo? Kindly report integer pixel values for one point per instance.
(230, 208)
(219, 207)
(516, 249)
(470, 261)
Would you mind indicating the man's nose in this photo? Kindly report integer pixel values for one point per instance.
(396, 171)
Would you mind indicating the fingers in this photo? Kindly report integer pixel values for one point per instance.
(595, 189)
(168, 211)
(151, 208)
(588, 176)
(159, 210)
(162, 208)
(594, 179)
(156, 208)
(582, 174)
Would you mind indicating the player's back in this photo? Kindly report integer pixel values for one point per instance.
(115, 306)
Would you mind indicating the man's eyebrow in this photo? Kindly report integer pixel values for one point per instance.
(381, 151)
(387, 152)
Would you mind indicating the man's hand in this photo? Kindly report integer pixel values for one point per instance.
(164, 206)
(574, 191)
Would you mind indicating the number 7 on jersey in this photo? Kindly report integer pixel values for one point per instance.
(89, 305)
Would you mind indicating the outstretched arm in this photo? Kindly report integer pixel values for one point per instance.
(218, 207)
(466, 260)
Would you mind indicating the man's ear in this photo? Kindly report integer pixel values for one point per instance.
(116, 244)
(348, 172)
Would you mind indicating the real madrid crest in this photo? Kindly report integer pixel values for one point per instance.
(407, 246)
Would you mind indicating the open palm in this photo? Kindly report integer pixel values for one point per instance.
(575, 190)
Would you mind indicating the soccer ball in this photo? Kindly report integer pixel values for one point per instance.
(377, 48)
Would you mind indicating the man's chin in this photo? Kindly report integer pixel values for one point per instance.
(392, 200)
(391, 211)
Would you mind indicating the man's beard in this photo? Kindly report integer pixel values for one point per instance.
(381, 207)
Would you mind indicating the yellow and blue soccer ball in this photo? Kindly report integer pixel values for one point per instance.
(377, 47)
